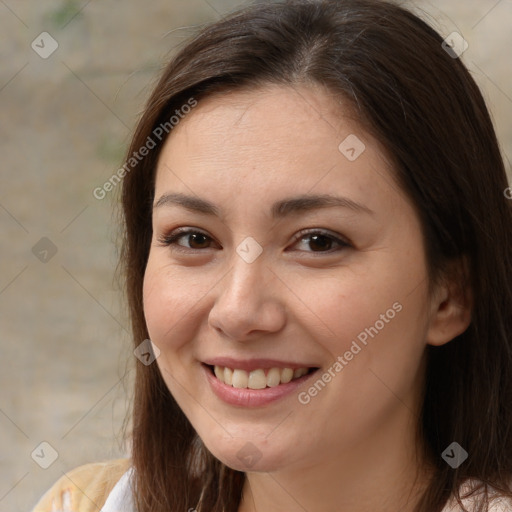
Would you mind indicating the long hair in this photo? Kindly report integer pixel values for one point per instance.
(424, 107)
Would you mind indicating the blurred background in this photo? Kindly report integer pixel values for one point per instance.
(74, 77)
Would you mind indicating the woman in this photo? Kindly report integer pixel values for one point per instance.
(317, 245)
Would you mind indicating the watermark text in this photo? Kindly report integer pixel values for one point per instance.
(305, 397)
(137, 156)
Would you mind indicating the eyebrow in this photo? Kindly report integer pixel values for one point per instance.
(280, 209)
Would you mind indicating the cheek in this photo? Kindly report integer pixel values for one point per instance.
(168, 303)
(382, 308)
(376, 325)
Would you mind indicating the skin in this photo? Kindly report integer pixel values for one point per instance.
(352, 447)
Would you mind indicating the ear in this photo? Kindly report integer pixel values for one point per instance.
(451, 305)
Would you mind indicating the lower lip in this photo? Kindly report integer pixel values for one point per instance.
(252, 397)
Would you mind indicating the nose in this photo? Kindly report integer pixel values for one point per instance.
(248, 302)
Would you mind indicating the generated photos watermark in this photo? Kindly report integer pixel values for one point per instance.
(44, 45)
(304, 397)
(454, 455)
(137, 156)
(455, 45)
(147, 352)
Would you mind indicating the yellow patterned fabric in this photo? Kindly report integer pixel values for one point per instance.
(84, 489)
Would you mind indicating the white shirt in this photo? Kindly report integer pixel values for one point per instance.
(120, 499)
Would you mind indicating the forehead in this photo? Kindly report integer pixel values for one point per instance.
(273, 141)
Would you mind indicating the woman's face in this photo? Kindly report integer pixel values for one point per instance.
(275, 277)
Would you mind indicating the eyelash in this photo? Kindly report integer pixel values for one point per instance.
(173, 237)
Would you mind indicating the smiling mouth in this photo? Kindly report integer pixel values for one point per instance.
(260, 378)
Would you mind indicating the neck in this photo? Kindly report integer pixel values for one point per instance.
(381, 473)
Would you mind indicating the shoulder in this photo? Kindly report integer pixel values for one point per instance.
(84, 488)
(471, 491)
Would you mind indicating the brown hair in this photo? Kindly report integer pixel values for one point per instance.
(428, 113)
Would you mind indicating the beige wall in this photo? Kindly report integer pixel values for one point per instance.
(65, 121)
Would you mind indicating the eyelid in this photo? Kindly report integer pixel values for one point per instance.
(168, 239)
(342, 241)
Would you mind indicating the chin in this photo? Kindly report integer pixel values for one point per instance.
(246, 454)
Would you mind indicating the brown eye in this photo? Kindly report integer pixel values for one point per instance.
(321, 242)
(196, 240)
(315, 241)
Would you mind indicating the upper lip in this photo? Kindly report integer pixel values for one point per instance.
(254, 364)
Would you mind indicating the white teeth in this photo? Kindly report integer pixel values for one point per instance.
(228, 376)
(286, 375)
(256, 379)
(273, 377)
(218, 372)
(240, 379)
